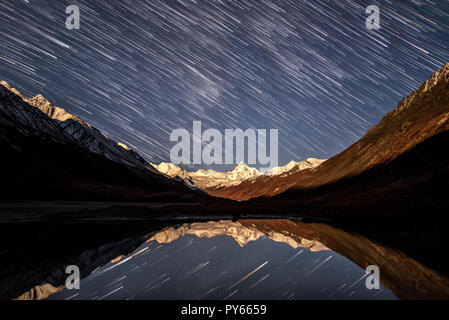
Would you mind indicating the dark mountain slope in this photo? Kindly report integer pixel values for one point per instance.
(41, 159)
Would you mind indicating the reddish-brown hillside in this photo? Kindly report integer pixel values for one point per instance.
(418, 117)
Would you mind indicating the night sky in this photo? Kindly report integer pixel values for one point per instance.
(139, 69)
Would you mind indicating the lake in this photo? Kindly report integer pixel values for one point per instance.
(248, 259)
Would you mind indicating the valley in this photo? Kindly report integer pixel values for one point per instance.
(67, 183)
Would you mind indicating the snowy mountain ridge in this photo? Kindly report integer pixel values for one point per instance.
(210, 179)
(67, 128)
(36, 116)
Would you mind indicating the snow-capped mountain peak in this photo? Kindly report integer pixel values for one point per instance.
(48, 108)
(293, 166)
(170, 170)
(240, 167)
(210, 179)
(242, 172)
(39, 113)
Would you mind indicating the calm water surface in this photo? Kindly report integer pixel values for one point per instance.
(226, 260)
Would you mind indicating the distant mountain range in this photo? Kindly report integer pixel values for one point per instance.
(240, 233)
(51, 154)
(210, 180)
(419, 117)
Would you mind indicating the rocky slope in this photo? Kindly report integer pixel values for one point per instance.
(420, 116)
(48, 153)
(85, 135)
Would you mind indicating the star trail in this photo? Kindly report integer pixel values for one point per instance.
(217, 268)
(139, 69)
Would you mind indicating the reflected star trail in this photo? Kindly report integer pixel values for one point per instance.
(139, 69)
(217, 268)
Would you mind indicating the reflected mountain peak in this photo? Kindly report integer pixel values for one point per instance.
(124, 264)
(242, 234)
(40, 292)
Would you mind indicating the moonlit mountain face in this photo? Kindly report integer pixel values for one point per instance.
(139, 69)
(69, 129)
(207, 180)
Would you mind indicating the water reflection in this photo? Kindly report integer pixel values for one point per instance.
(249, 259)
